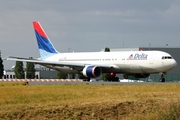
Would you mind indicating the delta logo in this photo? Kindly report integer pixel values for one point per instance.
(138, 56)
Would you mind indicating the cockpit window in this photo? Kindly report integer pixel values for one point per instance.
(166, 57)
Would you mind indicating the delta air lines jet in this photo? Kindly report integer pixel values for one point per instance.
(139, 64)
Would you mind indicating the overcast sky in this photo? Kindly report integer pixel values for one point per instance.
(88, 25)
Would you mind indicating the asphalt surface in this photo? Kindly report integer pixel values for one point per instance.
(102, 83)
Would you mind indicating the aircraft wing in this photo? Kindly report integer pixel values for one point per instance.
(42, 62)
(57, 63)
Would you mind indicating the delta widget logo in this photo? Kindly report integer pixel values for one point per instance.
(138, 56)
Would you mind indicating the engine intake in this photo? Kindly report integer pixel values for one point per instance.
(92, 71)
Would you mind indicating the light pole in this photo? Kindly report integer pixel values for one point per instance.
(166, 47)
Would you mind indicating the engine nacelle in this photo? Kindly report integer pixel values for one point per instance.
(92, 71)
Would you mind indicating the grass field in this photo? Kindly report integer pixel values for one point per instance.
(112, 102)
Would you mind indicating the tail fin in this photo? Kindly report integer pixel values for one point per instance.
(46, 48)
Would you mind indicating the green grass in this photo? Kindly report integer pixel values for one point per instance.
(128, 102)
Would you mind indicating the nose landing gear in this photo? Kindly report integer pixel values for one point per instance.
(162, 79)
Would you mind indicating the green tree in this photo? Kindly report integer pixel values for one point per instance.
(30, 70)
(105, 76)
(61, 75)
(1, 67)
(19, 71)
(107, 49)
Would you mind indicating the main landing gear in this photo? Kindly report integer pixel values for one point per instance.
(112, 77)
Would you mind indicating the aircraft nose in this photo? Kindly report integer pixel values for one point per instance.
(170, 64)
(174, 63)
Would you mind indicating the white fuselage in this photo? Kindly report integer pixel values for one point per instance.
(120, 62)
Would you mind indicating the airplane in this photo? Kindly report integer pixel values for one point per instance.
(139, 64)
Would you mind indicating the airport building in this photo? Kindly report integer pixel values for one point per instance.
(41, 73)
(172, 75)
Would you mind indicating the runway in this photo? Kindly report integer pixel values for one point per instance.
(101, 83)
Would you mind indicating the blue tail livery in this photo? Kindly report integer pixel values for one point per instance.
(46, 48)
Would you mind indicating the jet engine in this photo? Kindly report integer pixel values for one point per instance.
(91, 71)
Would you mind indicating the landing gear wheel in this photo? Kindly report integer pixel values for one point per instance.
(163, 80)
(116, 79)
(113, 79)
(109, 79)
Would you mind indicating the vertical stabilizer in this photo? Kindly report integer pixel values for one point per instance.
(46, 48)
